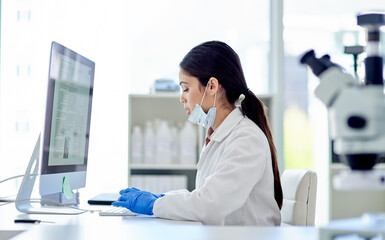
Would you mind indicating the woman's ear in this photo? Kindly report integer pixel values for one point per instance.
(213, 86)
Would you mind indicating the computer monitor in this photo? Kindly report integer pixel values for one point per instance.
(67, 121)
(65, 139)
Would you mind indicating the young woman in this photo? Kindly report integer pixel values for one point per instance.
(237, 179)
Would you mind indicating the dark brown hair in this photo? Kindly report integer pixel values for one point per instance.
(217, 59)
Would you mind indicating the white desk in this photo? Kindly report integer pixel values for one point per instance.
(93, 226)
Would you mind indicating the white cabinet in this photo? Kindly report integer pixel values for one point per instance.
(167, 168)
(165, 173)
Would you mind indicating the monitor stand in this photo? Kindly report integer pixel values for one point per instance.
(23, 199)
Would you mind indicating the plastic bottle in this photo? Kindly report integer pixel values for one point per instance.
(188, 144)
(136, 145)
(163, 139)
(174, 145)
(149, 144)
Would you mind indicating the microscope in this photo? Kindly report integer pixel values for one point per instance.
(356, 110)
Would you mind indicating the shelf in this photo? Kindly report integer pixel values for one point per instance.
(167, 107)
(177, 95)
(161, 107)
(163, 167)
(157, 95)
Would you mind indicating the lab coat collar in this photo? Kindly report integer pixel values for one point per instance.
(227, 125)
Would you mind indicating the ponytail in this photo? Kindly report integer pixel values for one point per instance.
(255, 109)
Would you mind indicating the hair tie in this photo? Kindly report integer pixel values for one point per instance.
(240, 99)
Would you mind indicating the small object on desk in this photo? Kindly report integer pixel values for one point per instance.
(35, 221)
(104, 199)
(116, 211)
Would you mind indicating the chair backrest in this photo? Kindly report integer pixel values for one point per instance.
(299, 197)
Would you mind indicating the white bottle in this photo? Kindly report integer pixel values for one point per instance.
(136, 145)
(149, 144)
(163, 139)
(188, 144)
(174, 145)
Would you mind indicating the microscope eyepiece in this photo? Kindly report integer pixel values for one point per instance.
(371, 19)
(308, 56)
(317, 65)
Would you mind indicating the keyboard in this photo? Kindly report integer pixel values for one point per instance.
(116, 211)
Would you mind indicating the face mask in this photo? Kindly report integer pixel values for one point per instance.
(198, 116)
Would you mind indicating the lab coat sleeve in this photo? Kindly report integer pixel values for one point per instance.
(241, 166)
(177, 191)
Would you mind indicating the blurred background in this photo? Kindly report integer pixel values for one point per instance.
(134, 43)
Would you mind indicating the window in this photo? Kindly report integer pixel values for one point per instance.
(132, 43)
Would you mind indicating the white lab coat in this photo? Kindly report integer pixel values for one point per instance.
(234, 183)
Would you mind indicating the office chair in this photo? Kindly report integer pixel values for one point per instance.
(299, 197)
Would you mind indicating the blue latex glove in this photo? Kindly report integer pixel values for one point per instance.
(127, 190)
(137, 201)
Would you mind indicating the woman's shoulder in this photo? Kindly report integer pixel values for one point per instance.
(246, 128)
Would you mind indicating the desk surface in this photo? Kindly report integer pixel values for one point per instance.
(93, 226)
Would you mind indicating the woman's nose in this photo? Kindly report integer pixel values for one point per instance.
(182, 99)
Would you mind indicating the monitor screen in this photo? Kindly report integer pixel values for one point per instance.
(67, 120)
